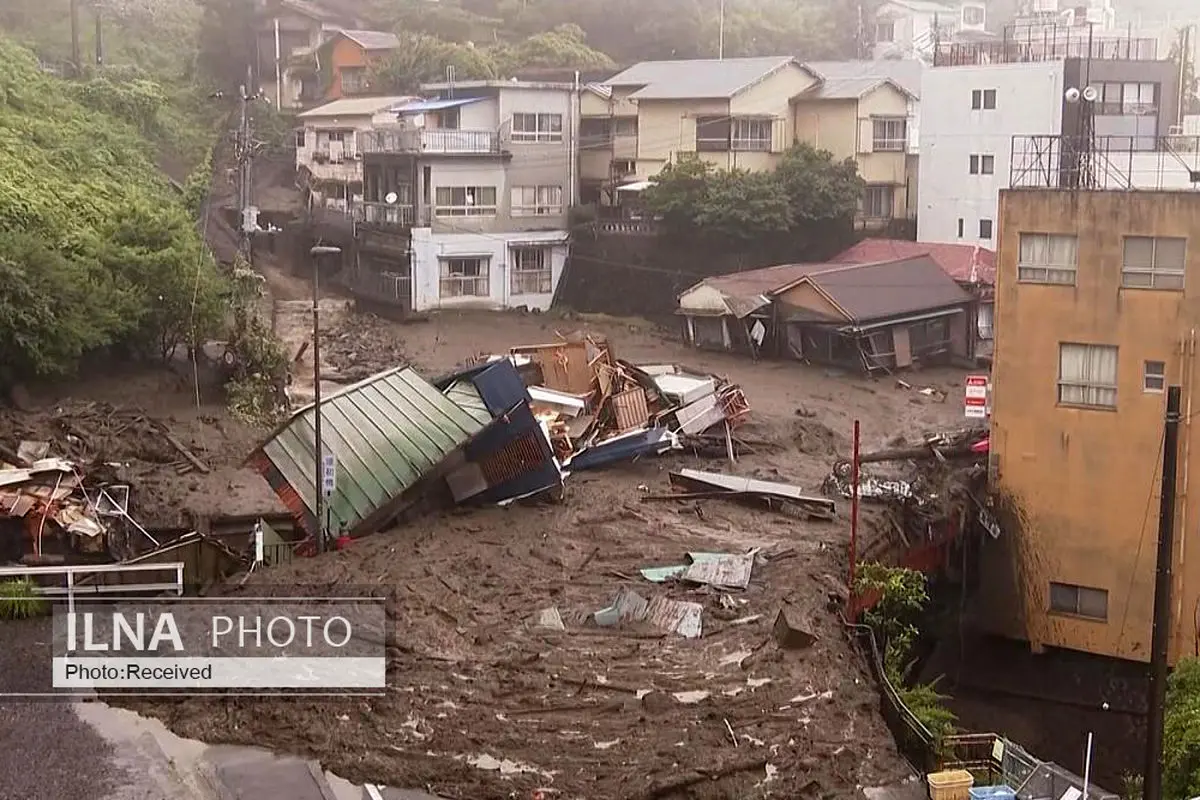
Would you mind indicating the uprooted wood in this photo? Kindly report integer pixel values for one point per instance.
(701, 775)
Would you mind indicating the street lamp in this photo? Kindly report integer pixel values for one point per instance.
(319, 468)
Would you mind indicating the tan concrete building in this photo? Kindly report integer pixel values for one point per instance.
(1097, 311)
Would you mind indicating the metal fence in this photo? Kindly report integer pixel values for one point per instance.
(1120, 163)
(1004, 762)
(1033, 42)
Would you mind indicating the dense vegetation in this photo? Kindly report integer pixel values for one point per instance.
(901, 598)
(804, 202)
(96, 249)
(1181, 733)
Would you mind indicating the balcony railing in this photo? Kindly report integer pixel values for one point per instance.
(430, 140)
(385, 214)
(1023, 43)
(1114, 163)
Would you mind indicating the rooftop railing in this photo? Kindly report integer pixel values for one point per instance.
(1113, 163)
(1026, 43)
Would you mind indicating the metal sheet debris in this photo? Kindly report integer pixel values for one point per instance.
(685, 389)
(672, 616)
(737, 487)
(725, 571)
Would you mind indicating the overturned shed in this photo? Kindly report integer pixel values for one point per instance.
(387, 433)
(733, 312)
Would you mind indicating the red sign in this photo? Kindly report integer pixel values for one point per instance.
(976, 396)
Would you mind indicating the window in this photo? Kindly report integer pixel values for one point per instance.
(885, 32)
(1081, 601)
(532, 201)
(1127, 99)
(960, 227)
(463, 277)
(878, 202)
(983, 165)
(354, 80)
(625, 126)
(537, 127)
(465, 201)
(531, 270)
(1153, 263)
(1154, 376)
(301, 139)
(889, 134)
(712, 134)
(449, 119)
(1139, 99)
(595, 131)
(1048, 258)
(623, 166)
(985, 229)
(751, 135)
(972, 15)
(1087, 375)
(983, 99)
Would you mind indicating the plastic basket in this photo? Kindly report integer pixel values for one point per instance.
(992, 793)
(954, 784)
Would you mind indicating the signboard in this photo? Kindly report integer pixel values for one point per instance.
(328, 474)
(976, 397)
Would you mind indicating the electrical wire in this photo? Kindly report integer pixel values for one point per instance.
(1154, 479)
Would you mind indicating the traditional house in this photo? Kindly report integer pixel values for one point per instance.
(971, 266)
(881, 316)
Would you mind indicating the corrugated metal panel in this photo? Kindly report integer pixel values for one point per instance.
(467, 397)
(386, 432)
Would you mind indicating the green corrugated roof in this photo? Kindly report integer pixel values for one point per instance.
(386, 432)
(467, 397)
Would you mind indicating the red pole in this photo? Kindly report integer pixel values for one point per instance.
(853, 521)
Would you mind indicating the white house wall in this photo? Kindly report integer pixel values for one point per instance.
(1029, 100)
(430, 248)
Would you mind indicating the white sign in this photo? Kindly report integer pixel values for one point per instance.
(328, 474)
(975, 403)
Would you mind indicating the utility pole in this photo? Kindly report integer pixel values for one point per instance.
(1161, 635)
(721, 35)
(245, 156)
(76, 58)
(319, 510)
(99, 35)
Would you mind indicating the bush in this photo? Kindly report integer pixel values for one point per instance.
(20, 599)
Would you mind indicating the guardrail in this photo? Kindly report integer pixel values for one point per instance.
(72, 585)
(430, 140)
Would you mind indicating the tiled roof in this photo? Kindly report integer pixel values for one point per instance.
(848, 88)
(373, 40)
(699, 78)
(870, 292)
(356, 107)
(964, 263)
(905, 73)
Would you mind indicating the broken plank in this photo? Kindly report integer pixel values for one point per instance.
(183, 451)
(697, 480)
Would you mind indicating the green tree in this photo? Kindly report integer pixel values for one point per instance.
(1181, 732)
(679, 191)
(1191, 103)
(424, 59)
(742, 207)
(565, 47)
(820, 188)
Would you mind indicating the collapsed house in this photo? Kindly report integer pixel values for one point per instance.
(503, 428)
(47, 515)
(867, 317)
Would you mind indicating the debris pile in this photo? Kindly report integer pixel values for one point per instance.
(356, 347)
(597, 409)
(48, 513)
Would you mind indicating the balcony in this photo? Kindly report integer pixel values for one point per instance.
(385, 214)
(430, 141)
(1106, 163)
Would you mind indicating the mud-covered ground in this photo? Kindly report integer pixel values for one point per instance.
(485, 704)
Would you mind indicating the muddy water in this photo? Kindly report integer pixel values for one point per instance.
(156, 763)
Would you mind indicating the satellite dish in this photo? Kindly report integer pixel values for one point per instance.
(1072, 95)
(390, 198)
(1090, 94)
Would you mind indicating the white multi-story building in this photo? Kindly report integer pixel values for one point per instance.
(466, 196)
(327, 159)
(912, 28)
(982, 103)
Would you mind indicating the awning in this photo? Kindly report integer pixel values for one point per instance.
(887, 323)
(636, 186)
(422, 106)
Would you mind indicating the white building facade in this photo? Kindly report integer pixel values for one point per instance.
(969, 116)
(480, 179)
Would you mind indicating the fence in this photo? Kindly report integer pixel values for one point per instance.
(1004, 762)
(1033, 42)
(1118, 163)
(71, 580)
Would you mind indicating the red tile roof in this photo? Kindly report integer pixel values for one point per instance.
(964, 262)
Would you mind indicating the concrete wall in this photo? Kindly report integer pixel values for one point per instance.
(1077, 486)
(429, 248)
(1028, 101)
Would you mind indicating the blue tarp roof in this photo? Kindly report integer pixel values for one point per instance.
(422, 106)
